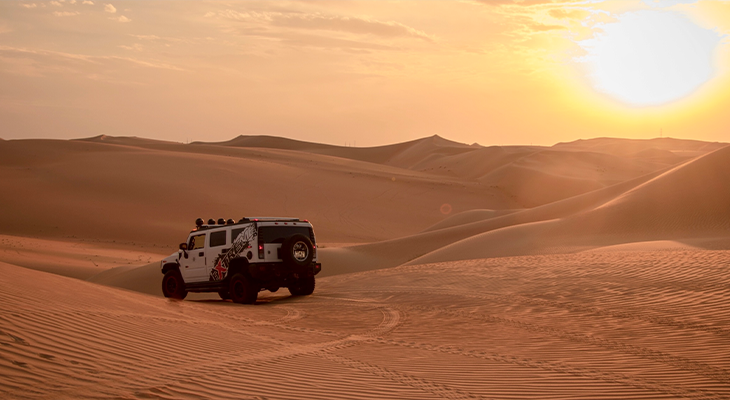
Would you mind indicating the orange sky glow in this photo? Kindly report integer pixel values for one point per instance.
(366, 73)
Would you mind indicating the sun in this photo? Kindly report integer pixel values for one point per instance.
(650, 57)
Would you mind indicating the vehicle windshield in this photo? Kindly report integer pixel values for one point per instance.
(197, 242)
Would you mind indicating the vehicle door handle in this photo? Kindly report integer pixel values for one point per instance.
(201, 254)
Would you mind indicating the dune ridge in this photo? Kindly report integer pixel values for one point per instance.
(511, 179)
(687, 202)
(406, 249)
(399, 154)
(131, 194)
(139, 179)
(620, 146)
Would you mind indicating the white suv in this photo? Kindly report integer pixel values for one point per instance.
(239, 259)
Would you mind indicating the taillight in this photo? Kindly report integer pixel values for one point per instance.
(314, 251)
(261, 251)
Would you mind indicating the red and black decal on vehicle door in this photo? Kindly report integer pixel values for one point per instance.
(240, 244)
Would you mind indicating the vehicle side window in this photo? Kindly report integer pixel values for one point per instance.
(235, 233)
(217, 238)
(197, 242)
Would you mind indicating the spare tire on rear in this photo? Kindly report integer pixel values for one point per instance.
(297, 250)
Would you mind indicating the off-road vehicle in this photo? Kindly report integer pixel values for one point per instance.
(239, 259)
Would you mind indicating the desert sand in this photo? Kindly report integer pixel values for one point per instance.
(592, 269)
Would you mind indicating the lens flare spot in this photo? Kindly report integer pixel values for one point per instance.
(446, 209)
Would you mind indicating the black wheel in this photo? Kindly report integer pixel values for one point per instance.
(242, 290)
(303, 287)
(224, 295)
(297, 250)
(173, 285)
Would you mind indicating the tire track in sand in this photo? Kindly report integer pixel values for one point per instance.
(569, 306)
(562, 368)
(718, 374)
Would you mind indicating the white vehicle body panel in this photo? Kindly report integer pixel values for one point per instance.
(271, 252)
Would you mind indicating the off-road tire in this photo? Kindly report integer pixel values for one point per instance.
(173, 285)
(242, 290)
(297, 250)
(303, 287)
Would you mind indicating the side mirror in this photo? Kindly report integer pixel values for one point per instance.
(183, 247)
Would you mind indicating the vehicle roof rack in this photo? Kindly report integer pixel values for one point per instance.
(201, 227)
(287, 219)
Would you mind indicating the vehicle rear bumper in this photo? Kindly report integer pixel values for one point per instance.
(266, 271)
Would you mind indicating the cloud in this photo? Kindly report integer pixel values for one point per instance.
(561, 13)
(65, 13)
(529, 3)
(29, 5)
(110, 8)
(136, 47)
(537, 27)
(299, 40)
(122, 18)
(57, 4)
(351, 25)
(145, 37)
(88, 2)
(335, 23)
(666, 3)
(57, 59)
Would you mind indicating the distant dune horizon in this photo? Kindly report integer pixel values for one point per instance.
(143, 194)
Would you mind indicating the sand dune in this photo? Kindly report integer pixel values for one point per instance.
(687, 202)
(398, 251)
(141, 195)
(617, 146)
(472, 164)
(128, 141)
(522, 172)
(660, 155)
(468, 217)
(106, 188)
(691, 199)
(103, 188)
(84, 174)
(578, 271)
(653, 245)
(616, 325)
(77, 259)
(401, 155)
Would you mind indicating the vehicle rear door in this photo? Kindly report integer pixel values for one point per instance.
(272, 237)
(218, 245)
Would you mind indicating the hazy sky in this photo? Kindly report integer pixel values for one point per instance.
(366, 72)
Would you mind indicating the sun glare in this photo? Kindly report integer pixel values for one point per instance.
(650, 57)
